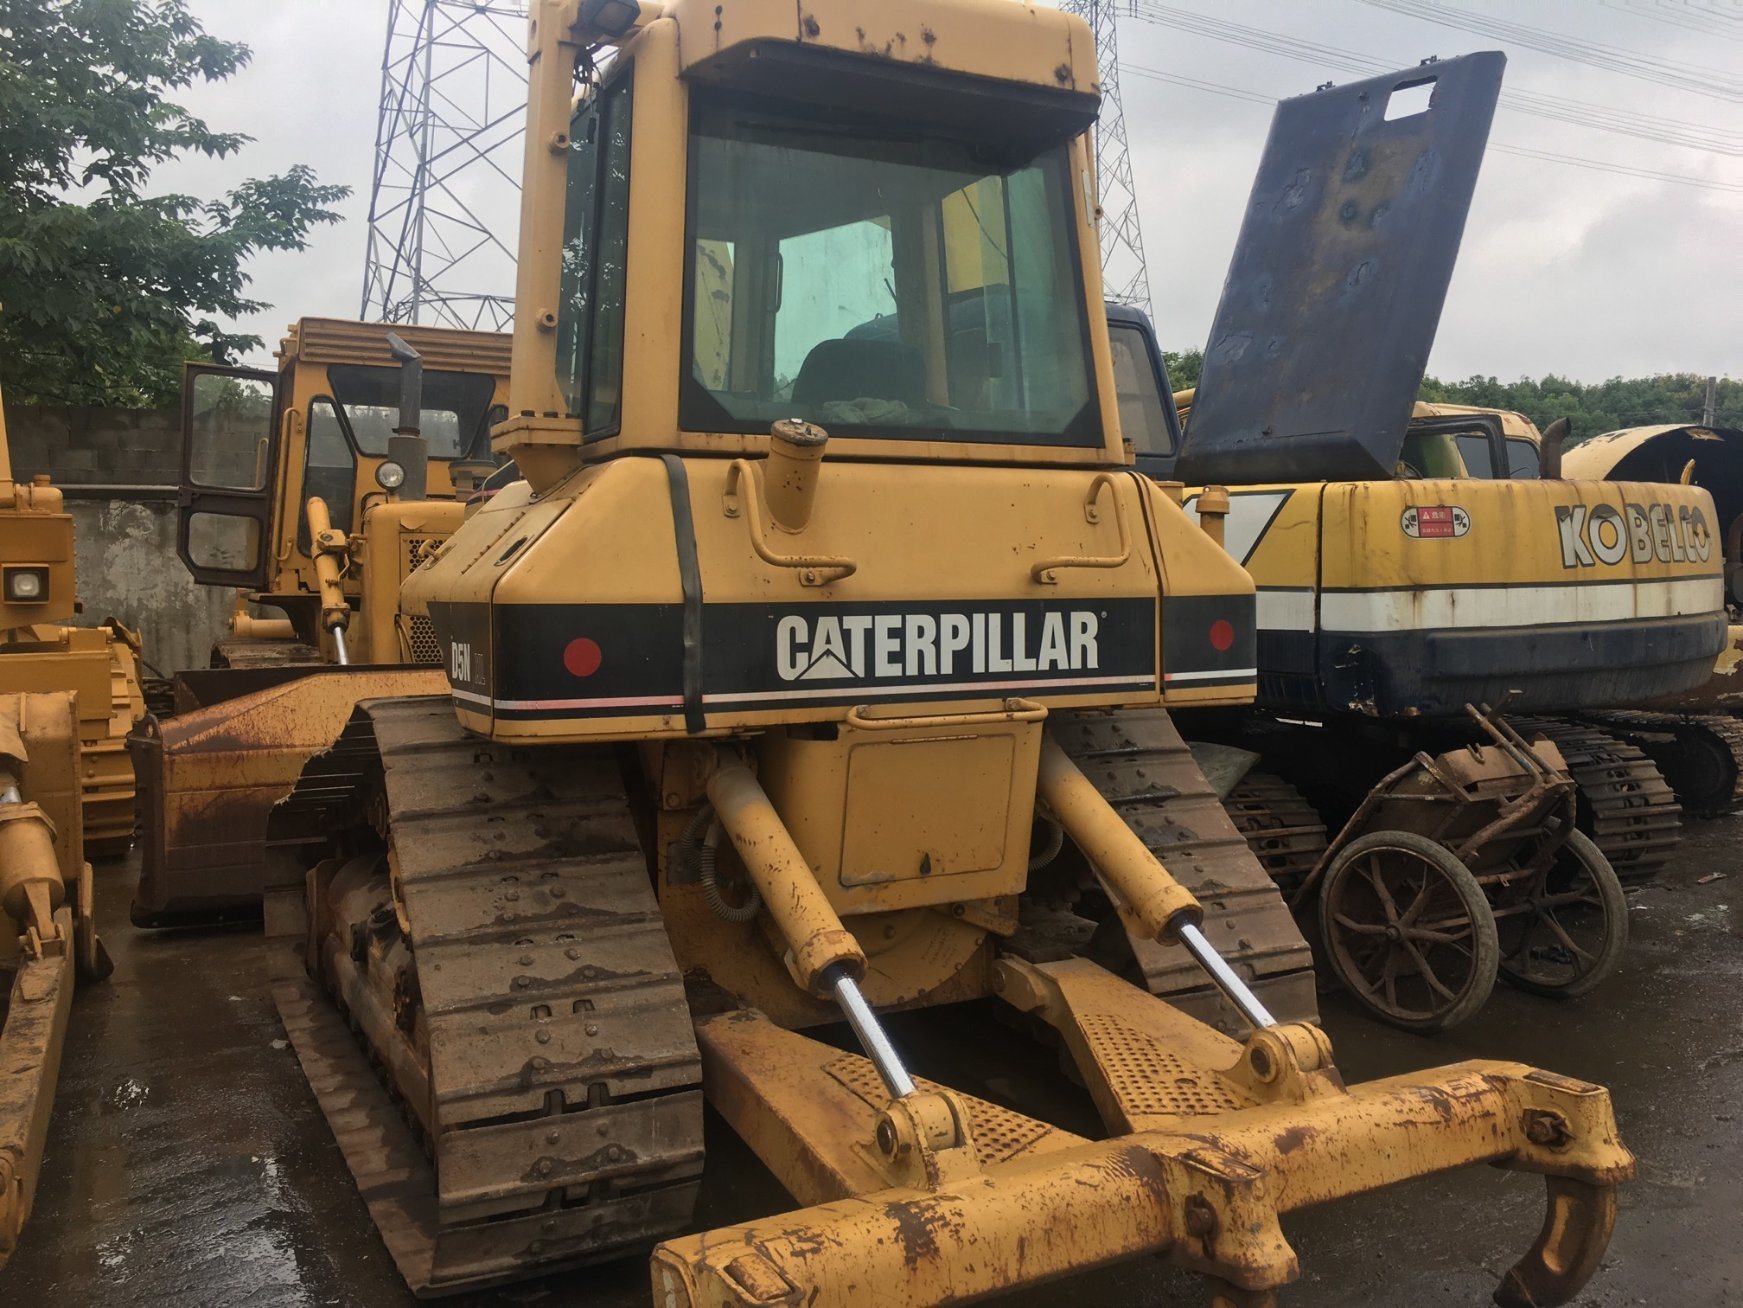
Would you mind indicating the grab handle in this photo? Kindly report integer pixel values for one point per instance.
(1045, 571)
(813, 569)
(1014, 710)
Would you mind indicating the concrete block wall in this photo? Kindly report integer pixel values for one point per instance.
(119, 470)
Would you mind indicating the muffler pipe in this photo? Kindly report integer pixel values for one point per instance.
(790, 478)
(408, 446)
(1149, 897)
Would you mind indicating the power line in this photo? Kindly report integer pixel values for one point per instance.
(1677, 13)
(1711, 82)
(1546, 156)
(1650, 127)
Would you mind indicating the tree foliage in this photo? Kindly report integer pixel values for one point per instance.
(1591, 407)
(1597, 407)
(105, 288)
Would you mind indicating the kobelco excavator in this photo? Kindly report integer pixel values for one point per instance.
(822, 666)
(315, 490)
(1393, 588)
(48, 935)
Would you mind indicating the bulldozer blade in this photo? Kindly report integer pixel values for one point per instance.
(210, 776)
(1207, 1192)
(30, 1058)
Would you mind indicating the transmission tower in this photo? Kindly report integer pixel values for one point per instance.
(445, 189)
(1125, 277)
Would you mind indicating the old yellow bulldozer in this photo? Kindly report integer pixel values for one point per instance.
(40, 652)
(822, 666)
(48, 931)
(316, 490)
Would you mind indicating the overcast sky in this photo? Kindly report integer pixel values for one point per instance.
(1565, 268)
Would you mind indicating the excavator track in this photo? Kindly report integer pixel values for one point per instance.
(1282, 829)
(1626, 806)
(539, 1102)
(1145, 770)
(1701, 756)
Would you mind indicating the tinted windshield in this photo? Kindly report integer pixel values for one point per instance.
(456, 408)
(880, 283)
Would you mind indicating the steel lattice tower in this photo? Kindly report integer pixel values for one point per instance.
(1125, 277)
(446, 184)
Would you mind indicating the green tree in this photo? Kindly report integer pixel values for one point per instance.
(1593, 408)
(1183, 367)
(105, 289)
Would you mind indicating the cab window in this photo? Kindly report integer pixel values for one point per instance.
(881, 281)
(1523, 463)
(595, 240)
(329, 470)
(1478, 455)
(1143, 419)
(454, 418)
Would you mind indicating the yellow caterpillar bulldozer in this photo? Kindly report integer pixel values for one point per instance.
(39, 653)
(1394, 587)
(47, 927)
(315, 490)
(822, 666)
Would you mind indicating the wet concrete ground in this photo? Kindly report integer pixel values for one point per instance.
(189, 1162)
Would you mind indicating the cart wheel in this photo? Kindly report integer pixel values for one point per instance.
(1408, 931)
(1574, 926)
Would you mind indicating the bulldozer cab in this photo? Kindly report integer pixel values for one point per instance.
(923, 296)
(256, 445)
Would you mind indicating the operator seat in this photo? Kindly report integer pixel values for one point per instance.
(859, 369)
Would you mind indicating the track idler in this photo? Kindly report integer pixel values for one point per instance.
(921, 1195)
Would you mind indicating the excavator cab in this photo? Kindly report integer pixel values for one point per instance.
(821, 666)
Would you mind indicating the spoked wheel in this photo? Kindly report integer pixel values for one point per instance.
(1408, 931)
(1570, 927)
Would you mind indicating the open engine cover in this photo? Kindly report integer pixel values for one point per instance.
(1338, 278)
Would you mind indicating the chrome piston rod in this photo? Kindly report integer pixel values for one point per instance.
(339, 646)
(1257, 1015)
(872, 1037)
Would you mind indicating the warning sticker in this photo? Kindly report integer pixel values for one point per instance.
(1431, 521)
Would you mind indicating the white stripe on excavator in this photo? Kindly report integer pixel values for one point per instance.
(670, 702)
(1432, 609)
(1285, 610)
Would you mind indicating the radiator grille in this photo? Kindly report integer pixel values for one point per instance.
(418, 550)
(423, 640)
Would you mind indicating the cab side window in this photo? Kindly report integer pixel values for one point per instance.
(1478, 455)
(329, 470)
(1522, 460)
(1143, 420)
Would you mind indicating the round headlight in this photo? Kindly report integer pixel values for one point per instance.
(26, 585)
(389, 475)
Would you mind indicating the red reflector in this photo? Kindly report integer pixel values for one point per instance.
(1222, 634)
(582, 656)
